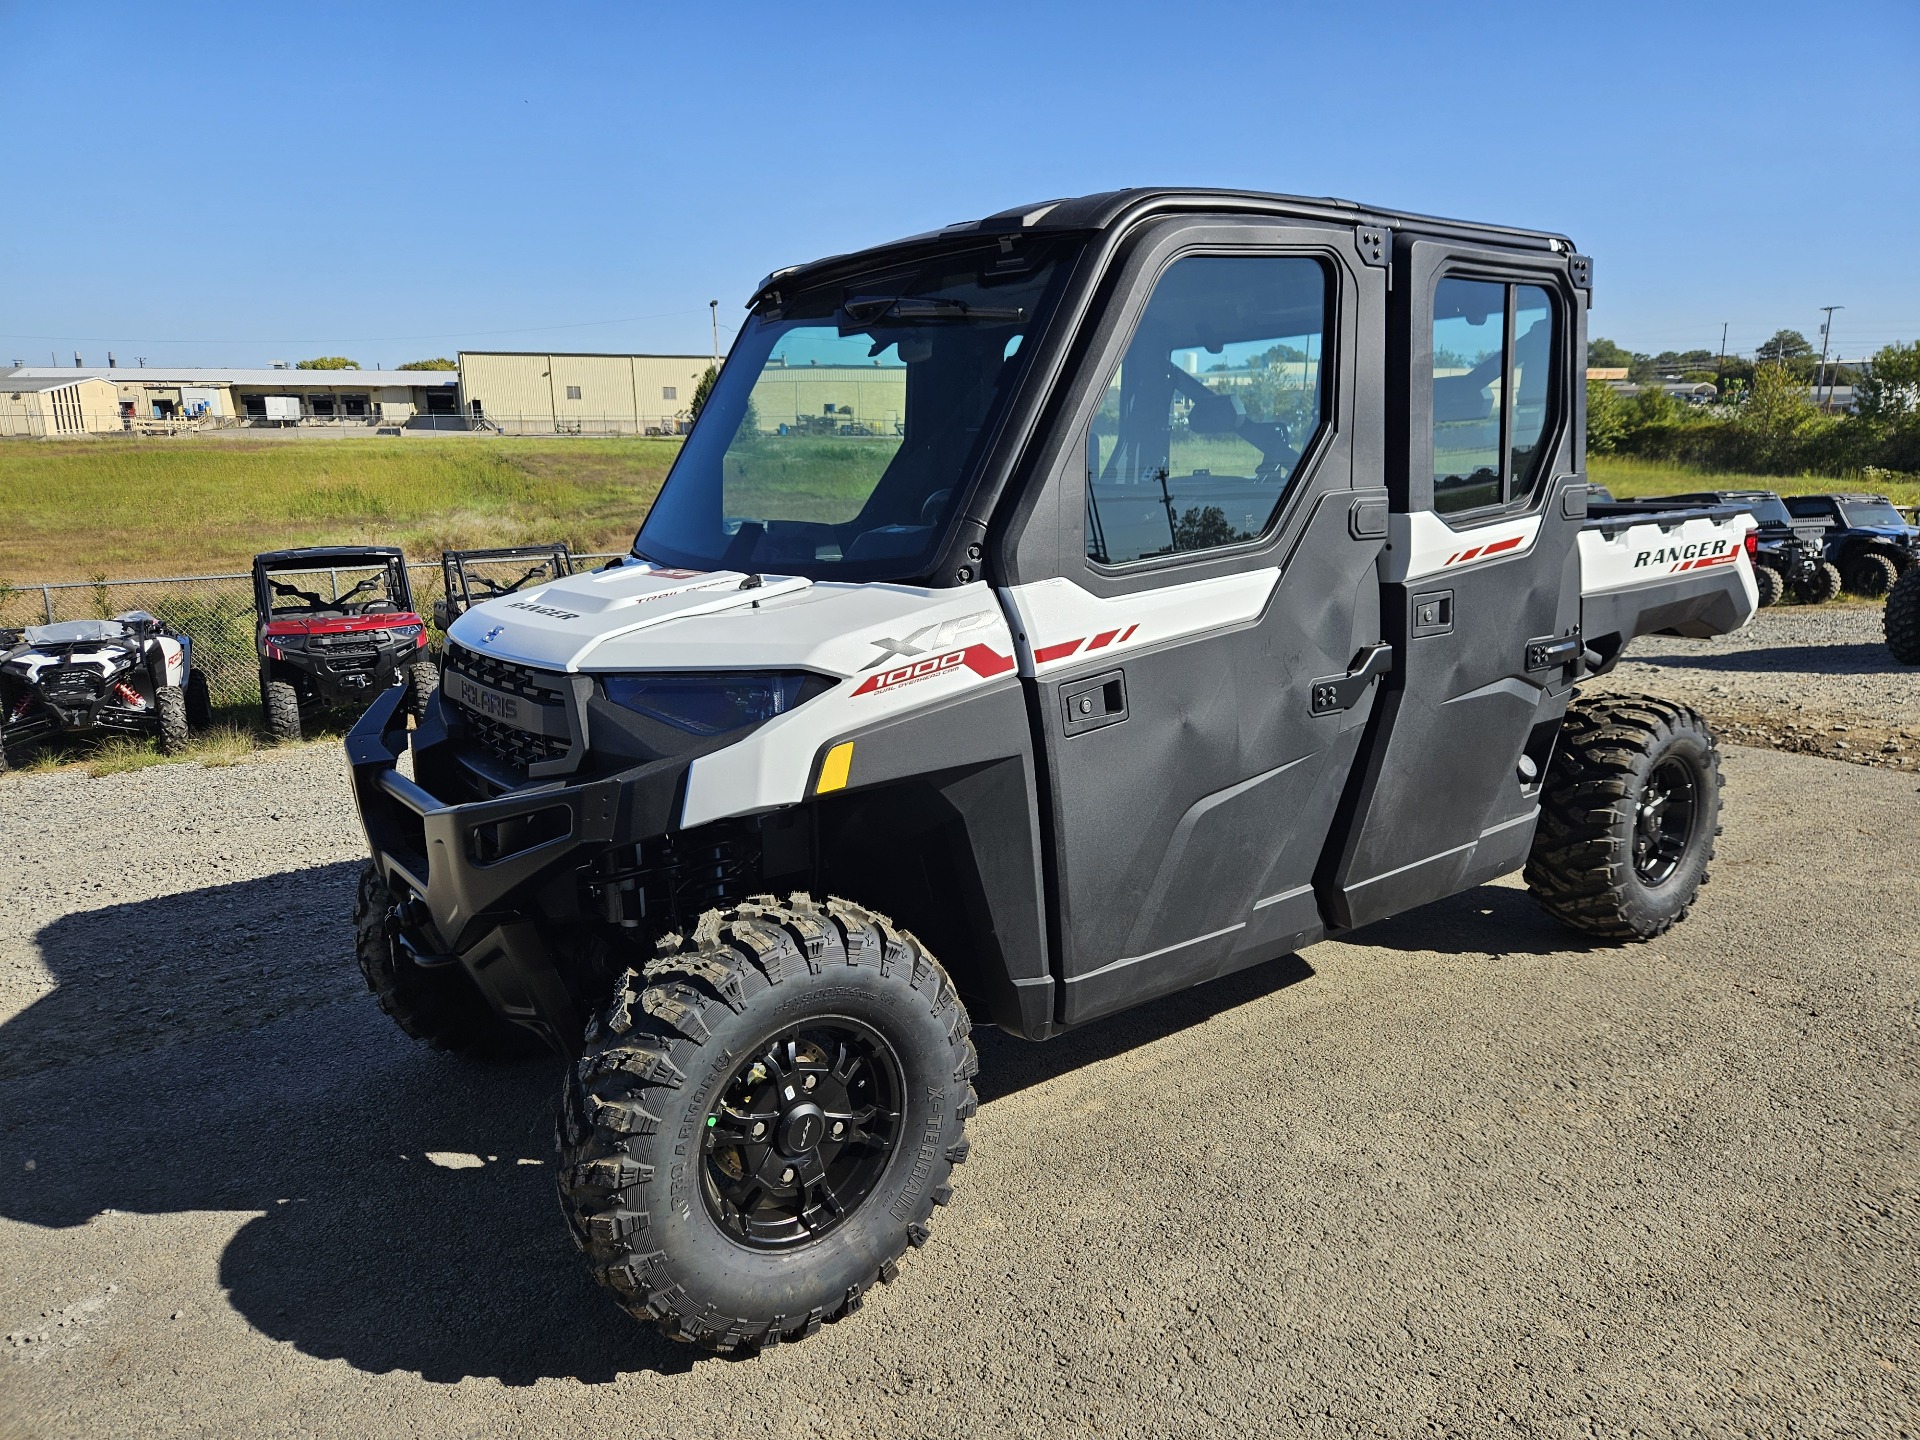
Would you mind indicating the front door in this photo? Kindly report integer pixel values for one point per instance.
(1483, 595)
(1215, 559)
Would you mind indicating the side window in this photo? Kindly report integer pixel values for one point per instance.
(1493, 352)
(1200, 433)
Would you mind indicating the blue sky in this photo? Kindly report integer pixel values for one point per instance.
(230, 184)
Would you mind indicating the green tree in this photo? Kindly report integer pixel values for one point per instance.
(1785, 346)
(701, 391)
(439, 362)
(1608, 419)
(1605, 355)
(1890, 391)
(328, 362)
(1777, 417)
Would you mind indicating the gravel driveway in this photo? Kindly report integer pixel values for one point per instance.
(1813, 679)
(1461, 1174)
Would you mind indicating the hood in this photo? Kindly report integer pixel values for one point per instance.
(642, 617)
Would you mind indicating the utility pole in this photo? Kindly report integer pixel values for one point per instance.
(1826, 335)
(1720, 370)
(714, 306)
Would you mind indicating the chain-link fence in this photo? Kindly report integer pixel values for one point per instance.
(216, 611)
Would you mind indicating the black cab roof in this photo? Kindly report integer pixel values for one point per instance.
(1113, 209)
(323, 555)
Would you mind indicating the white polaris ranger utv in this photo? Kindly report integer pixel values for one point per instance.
(1044, 615)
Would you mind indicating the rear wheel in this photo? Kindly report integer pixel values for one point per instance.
(1871, 574)
(1821, 585)
(170, 705)
(439, 1004)
(763, 1120)
(199, 701)
(1628, 817)
(1903, 618)
(281, 704)
(1770, 584)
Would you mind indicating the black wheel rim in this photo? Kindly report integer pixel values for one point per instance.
(1664, 819)
(802, 1133)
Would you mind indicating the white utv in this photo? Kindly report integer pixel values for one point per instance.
(1043, 615)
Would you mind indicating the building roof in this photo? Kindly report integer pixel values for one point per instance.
(586, 355)
(19, 380)
(257, 379)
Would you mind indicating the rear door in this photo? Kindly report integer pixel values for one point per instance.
(1193, 579)
(1482, 593)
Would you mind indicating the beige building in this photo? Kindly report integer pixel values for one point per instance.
(844, 399)
(64, 404)
(222, 398)
(524, 393)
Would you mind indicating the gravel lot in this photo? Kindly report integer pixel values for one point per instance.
(1813, 679)
(1461, 1174)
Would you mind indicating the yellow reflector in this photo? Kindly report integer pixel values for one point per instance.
(833, 770)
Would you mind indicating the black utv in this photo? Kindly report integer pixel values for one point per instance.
(131, 675)
(1188, 576)
(334, 627)
(1789, 551)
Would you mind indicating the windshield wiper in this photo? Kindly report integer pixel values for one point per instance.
(865, 309)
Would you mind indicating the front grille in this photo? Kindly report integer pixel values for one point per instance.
(507, 743)
(72, 684)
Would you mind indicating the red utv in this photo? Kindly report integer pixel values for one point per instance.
(335, 627)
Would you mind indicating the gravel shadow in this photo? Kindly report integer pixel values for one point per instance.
(1779, 659)
(1487, 920)
(406, 1215)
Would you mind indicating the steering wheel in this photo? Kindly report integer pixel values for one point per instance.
(1213, 413)
(280, 588)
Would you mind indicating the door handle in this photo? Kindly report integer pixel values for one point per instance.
(1334, 693)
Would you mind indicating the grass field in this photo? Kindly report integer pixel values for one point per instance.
(128, 508)
(1627, 478)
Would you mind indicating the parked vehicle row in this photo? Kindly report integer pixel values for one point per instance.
(334, 626)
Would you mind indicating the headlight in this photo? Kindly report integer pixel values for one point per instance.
(713, 704)
(288, 642)
(406, 632)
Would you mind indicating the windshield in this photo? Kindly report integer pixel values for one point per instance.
(342, 590)
(1768, 510)
(848, 423)
(1872, 514)
(67, 632)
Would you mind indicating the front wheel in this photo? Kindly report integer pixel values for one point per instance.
(422, 680)
(1769, 584)
(1628, 817)
(170, 708)
(438, 1004)
(281, 702)
(763, 1119)
(1902, 618)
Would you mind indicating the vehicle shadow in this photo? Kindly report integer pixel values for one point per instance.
(1009, 1065)
(1487, 920)
(1798, 659)
(404, 1208)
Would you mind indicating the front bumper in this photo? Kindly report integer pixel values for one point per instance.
(481, 913)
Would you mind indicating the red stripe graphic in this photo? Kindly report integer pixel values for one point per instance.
(1129, 634)
(1499, 545)
(1102, 640)
(1055, 652)
(982, 660)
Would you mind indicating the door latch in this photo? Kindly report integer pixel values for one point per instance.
(1335, 693)
(1549, 653)
(1094, 703)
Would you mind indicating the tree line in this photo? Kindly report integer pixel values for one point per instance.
(1769, 422)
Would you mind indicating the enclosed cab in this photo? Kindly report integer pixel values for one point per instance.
(1867, 538)
(1044, 615)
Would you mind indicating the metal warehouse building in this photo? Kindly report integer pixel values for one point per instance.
(143, 398)
(523, 393)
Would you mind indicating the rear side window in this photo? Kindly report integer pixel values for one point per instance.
(1203, 424)
(1493, 360)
